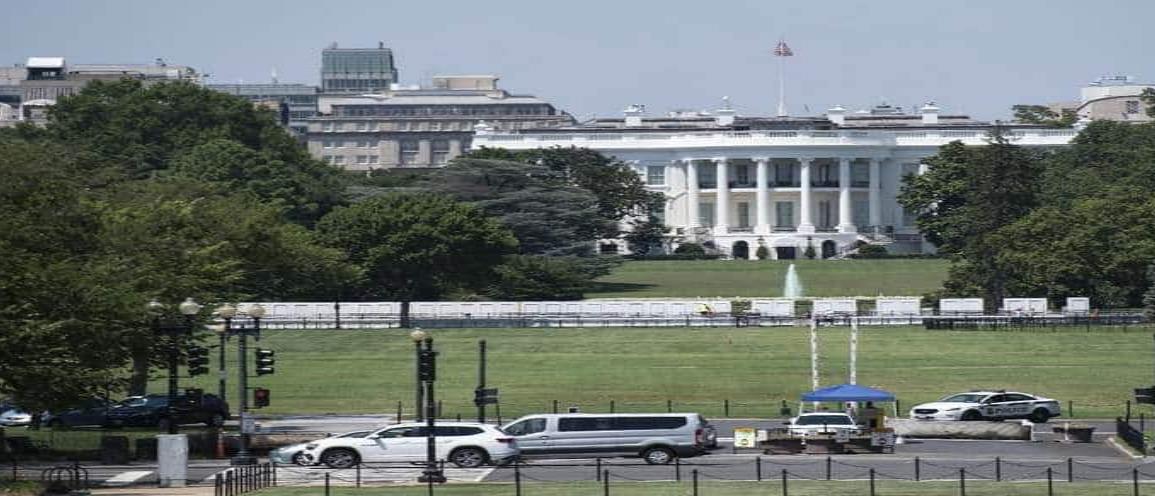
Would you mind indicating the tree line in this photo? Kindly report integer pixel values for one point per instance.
(1018, 221)
(134, 192)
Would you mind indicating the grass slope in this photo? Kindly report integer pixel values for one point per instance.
(369, 371)
(690, 278)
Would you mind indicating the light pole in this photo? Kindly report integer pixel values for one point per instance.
(226, 312)
(255, 311)
(189, 309)
(427, 372)
(417, 336)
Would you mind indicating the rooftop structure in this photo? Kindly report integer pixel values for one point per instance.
(357, 70)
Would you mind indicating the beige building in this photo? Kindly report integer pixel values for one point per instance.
(415, 127)
(1113, 98)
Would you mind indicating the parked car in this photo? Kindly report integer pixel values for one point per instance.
(809, 424)
(91, 412)
(152, 411)
(657, 438)
(465, 444)
(293, 452)
(988, 405)
(13, 417)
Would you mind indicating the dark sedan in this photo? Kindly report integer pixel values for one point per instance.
(152, 411)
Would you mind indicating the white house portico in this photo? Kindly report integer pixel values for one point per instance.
(784, 183)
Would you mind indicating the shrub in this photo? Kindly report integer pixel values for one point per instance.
(762, 253)
(872, 251)
(810, 253)
(690, 249)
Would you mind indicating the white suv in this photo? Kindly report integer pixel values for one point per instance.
(467, 445)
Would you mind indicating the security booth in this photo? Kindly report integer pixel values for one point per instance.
(834, 429)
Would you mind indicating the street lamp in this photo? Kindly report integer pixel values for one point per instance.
(417, 336)
(189, 308)
(228, 312)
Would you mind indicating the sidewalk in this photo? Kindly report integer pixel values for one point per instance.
(155, 491)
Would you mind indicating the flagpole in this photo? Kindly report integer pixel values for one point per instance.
(781, 88)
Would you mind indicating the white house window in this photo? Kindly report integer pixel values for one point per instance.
(409, 151)
(440, 152)
(327, 127)
(364, 144)
(362, 126)
(1131, 107)
(784, 214)
(328, 159)
(329, 144)
(338, 160)
(742, 176)
(706, 215)
(362, 159)
(656, 175)
(374, 159)
(743, 214)
(859, 175)
(861, 212)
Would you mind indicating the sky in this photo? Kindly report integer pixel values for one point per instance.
(595, 57)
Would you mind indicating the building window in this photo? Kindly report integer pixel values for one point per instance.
(742, 176)
(328, 159)
(327, 127)
(374, 159)
(440, 152)
(859, 175)
(784, 214)
(861, 212)
(338, 160)
(825, 214)
(743, 214)
(656, 175)
(435, 126)
(784, 175)
(1131, 107)
(364, 144)
(707, 179)
(409, 151)
(329, 144)
(706, 215)
(362, 159)
(362, 126)
(908, 217)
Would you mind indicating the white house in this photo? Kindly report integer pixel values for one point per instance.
(787, 182)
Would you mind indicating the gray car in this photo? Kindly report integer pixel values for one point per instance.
(658, 438)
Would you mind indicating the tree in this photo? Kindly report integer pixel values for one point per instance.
(418, 245)
(1043, 115)
(141, 130)
(967, 195)
(548, 215)
(1148, 96)
(619, 190)
(531, 277)
(647, 232)
(1149, 296)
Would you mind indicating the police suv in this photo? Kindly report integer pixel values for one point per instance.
(988, 405)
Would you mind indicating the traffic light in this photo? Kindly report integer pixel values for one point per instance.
(483, 396)
(198, 360)
(265, 361)
(260, 398)
(427, 365)
(1145, 395)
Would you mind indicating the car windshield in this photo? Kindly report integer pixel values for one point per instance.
(354, 434)
(964, 398)
(824, 420)
(145, 401)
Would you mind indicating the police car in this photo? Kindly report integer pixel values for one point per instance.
(988, 405)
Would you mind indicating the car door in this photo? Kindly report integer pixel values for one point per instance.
(398, 444)
(1018, 405)
(995, 406)
(531, 433)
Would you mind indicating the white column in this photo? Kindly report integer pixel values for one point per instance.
(805, 225)
(875, 194)
(722, 197)
(845, 215)
(692, 194)
(762, 226)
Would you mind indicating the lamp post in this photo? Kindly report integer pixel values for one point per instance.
(427, 372)
(226, 312)
(189, 308)
(255, 312)
(417, 336)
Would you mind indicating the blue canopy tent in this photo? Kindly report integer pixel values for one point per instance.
(849, 392)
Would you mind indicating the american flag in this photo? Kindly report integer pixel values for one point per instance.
(783, 50)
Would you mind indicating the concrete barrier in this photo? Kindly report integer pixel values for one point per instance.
(931, 429)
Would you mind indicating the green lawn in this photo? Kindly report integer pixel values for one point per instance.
(369, 371)
(726, 278)
(773, 488)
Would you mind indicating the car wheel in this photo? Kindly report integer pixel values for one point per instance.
(339, 458)
(468, 457)
(660, 455)
(1040, 416)
(216, 420)
(971, 415)
(298, 458)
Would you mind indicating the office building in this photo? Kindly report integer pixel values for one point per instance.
(357, 70)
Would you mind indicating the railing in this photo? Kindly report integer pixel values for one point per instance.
(245, 479)
(1130, 435)
(800, 137)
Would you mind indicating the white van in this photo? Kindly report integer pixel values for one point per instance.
(656, 437)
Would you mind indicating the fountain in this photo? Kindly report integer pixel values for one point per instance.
(792, 288)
